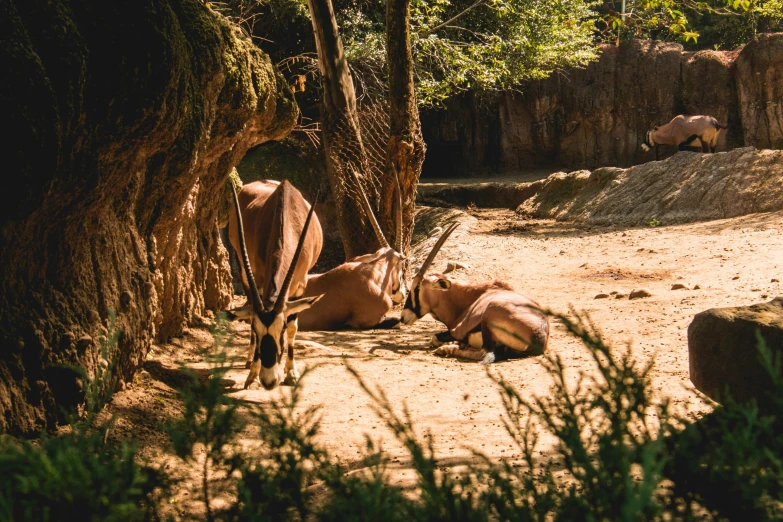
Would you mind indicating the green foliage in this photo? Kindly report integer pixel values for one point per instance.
(698, 24)
(483, 45)
(78, 474)
(618, 455)
(457, 44)
(731, 461)
(653, 223)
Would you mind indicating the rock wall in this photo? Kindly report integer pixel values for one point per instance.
(121, 121)
(598, 116)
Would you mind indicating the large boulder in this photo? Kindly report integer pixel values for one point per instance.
(722, 348)
(122, 120)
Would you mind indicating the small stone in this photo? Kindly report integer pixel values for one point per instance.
(764, 296)
(93, 316)
(149, 289)
(121, 385)
(455, 265)
(125, 299)
(755, 289)
(735, 278)
(601, 296)
(84, 342)
(775, 280)
(614, 292)
(103, 363)
(66, 340)
(679, 286)
(620, 295)
(435, 231)
(697, 287)
(640, 293)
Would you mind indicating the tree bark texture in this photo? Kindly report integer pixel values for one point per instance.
(124, 119)
(341, 131)
(406, 146)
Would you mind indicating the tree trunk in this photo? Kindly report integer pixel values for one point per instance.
(341, 131)
(122, 120)
(406, 146)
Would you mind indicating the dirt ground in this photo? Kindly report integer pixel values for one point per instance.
(557, 264)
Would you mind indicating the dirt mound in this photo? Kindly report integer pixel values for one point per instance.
(685, 188)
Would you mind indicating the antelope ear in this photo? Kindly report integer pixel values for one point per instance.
(243, 313)
(442, 284)
(300, 305)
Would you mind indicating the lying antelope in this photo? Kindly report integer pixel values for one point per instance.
(360, 292)
(283, 246)
(685, 131)
(486, 321)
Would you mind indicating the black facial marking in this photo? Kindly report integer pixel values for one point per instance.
(291, 318)
(413, 296)
(267, 318)
(268, 351)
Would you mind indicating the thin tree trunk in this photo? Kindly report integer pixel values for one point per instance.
(406, 146)
(341, 131)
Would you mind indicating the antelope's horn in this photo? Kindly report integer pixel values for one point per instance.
(282, 297)
(398, 213)
(254, 296)
(427, 262)
(368, 210)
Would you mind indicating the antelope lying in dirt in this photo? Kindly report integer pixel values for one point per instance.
(486, 321)
(361, 291)
(281, 246)
(685, 131)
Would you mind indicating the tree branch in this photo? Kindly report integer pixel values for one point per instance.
(475, 4)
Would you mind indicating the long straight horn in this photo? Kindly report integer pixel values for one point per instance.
(398, 214)
(282, 296)
(254, 296)
(370, 214)
(427, 262)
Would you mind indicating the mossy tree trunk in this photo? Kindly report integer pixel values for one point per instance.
(122, 120)
(406, 146)
(341, 131)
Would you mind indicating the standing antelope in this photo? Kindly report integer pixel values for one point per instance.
(279, 218)
(358, 293)
(685, 131)
(486, 321)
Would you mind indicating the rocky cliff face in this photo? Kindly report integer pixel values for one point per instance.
(122, 120)
(598, 116)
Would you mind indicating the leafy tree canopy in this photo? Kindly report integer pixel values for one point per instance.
(457, 44)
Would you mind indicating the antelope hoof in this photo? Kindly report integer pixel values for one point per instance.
(248, 381)
(446, 349)
(291, 378)
(434, 342)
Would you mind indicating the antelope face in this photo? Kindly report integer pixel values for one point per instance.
(271, 339)
(424, 297)
(398, 289)
(648, 142)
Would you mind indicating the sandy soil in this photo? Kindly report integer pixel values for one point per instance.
(557, 264)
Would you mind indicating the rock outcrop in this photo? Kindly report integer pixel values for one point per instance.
(121, 122)
(687, 187)
(723, 354)
(598, 116)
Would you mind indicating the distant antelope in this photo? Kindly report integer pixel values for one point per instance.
(359, 293)
(283, 247)
(488, 321)
(685, 131)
